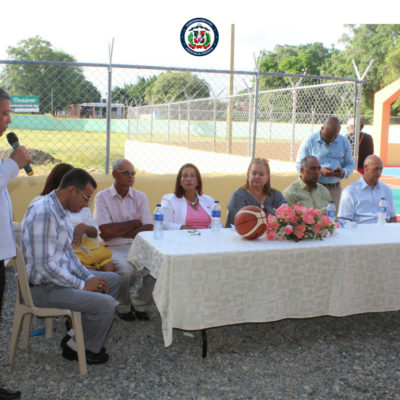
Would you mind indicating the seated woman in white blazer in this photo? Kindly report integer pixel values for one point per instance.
(187, 207)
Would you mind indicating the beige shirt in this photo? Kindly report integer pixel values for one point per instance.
(110, 207)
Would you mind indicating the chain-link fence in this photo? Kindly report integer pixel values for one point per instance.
(91, 114)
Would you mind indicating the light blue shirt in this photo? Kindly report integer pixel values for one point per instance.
(359, 202)
(334, 155)
(47, 234)
(8, 170)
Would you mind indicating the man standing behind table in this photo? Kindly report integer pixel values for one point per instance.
(9, 169)
(333, 152)
(306, 188)
(121, 212)
(360, 200)
(56, 276)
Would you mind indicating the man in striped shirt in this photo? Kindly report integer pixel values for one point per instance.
(56, 276)
(121, 212)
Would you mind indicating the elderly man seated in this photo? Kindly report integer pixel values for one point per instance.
(306, 188)
(121, 212)
(359, 202)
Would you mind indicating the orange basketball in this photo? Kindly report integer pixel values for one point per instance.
(250, 222)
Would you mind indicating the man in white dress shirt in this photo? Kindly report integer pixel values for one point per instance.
(9, 169)
(359, 201)
(121, 212)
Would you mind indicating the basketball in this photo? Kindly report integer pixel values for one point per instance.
(250, 222)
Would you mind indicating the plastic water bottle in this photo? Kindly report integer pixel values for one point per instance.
(158, 222)
(331, 211)
(382, 211)
(216, 217)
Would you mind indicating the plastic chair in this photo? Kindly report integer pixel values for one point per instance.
(24, 308)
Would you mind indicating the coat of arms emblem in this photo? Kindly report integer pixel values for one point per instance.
(199, 36)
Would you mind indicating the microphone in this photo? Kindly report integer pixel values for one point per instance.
(14, 143)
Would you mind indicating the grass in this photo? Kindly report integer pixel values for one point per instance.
(81, 149)
(88, 149)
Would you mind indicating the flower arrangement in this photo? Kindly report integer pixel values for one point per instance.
(298, 222)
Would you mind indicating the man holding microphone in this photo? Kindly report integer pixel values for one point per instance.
(8, 170)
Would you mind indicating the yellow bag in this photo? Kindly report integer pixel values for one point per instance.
(92, 254)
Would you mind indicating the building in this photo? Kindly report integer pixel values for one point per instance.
(96, 110)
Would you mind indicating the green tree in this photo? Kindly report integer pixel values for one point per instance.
(57, 86)
(311, 59)
(176, 86)
(133, 94)
(380, 42)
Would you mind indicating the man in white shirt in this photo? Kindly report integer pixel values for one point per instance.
(9, 169)
(121, 212)
(359, 201)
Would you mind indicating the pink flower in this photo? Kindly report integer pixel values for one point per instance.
(315, 212)
(284, 212)
(300, 209)
(308, 219)
(271, 235)
(288, 229)
(324, 221)
(317, 230)
(272, 223)
(299, 231)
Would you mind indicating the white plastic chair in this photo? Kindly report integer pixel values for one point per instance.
(24, 308)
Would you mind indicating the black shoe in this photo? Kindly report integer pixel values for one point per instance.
(9, 394)
(64, 340)
(129, 316)
(142, 315)
(91, 358)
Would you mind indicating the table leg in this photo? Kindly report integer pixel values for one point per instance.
(204, 338)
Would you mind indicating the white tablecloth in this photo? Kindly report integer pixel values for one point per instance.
(221, 279)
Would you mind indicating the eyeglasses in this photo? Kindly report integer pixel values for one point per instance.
(86, 197)
(126, 172)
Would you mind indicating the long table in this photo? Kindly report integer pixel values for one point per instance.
(211, 280)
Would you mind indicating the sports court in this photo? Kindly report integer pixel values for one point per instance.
(391, 176)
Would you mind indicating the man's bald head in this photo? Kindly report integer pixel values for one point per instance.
(372, 159)
(330, 129)
(373, 166)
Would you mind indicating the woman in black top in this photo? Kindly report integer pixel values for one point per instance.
(256, 192)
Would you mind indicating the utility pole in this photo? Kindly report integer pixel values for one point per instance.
(230, 93)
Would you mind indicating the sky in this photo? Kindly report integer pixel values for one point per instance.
(147, 32)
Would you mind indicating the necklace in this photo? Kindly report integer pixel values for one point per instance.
(193, 203)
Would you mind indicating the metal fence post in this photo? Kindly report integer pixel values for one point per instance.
(151, 123)
(251, 105)
(108, 115)
(137, 123)
(357, 123)
(169, 120)
(179, 121)
(188, 123)
(257, 93)
(215, 125)
(294, 106)
(108, 139)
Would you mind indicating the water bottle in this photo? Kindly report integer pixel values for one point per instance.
(216, 217)
(158, 222)
(382, 211)
(331, 211)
